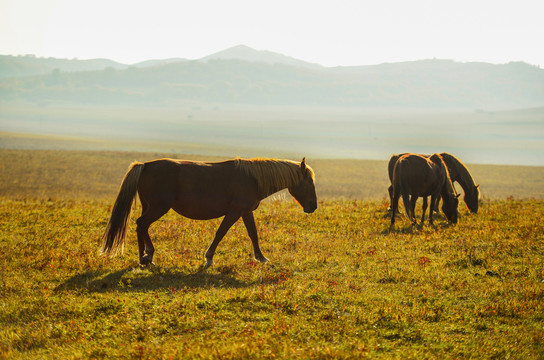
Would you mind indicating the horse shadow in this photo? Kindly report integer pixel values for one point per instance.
(137, 279)
(416, 228)
(440, 222)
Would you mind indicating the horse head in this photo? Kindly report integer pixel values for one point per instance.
(304, 190)
(472, 199)
(449, 207)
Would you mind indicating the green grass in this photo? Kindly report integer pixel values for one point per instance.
(339, 285)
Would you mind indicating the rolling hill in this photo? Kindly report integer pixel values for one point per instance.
(29, 65)
(242, 75)
(245, 53)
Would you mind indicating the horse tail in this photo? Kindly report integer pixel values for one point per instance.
(400, 176)
(391, 165)
(116, 230)
(396, 173)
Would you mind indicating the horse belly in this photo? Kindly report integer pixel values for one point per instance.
(201, 207)
(422, 184)
(422, 193)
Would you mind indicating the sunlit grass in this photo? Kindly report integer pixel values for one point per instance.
(339, 285)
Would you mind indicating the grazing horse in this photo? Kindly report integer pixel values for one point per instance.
(458, 173)
(422, 176)
(201, 191)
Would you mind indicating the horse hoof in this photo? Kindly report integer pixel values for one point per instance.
(262, 259)
(146, 261)
(147, 265)
(209, 262)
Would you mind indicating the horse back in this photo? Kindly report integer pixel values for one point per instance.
(178, 177)
(417, 174)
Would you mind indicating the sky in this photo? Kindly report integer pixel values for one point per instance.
(330, 33)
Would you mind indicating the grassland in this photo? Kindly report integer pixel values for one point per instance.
(339, 284)
(95, 175)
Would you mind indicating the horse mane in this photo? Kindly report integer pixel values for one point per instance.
(463, 176)
(272, 175)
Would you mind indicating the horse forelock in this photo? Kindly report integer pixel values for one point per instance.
(272, 175)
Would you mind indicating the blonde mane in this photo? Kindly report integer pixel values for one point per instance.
(272, 175)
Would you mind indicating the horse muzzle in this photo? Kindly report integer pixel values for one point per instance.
(310, 208)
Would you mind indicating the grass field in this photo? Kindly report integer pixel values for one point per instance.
(339, 284)
(97, 175)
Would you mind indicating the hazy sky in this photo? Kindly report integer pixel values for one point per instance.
(330, 33)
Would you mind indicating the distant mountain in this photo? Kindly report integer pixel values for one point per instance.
(160, 62)
(16, 66)
(245, 53)
(446, 81)
(246, 76)
(29, 65)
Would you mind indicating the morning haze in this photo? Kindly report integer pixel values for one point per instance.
(243, 102)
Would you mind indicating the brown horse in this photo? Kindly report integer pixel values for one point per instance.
(202, 191)
(458, 173)
(421, 176)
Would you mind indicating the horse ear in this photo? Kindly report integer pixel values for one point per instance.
(478, 186)
(303, 167)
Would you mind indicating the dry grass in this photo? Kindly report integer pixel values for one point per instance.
(97, 175)
(339, 285)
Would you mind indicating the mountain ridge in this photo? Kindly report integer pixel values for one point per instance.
(29, 65)
(246, 53)
(247, 76)
(44, 65)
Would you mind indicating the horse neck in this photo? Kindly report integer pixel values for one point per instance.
(463, 176)
(271, 175)
(447, 189)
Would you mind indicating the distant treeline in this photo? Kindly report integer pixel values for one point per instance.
(426, 83)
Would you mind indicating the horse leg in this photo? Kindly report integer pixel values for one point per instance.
(390, 191)
(413, 201)
(424, 208)
(436, 208)
(435, 199)
(227, 222)
(394, 207)
(150, 214)
(249, 221)
(141, 240)
(408, 207)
